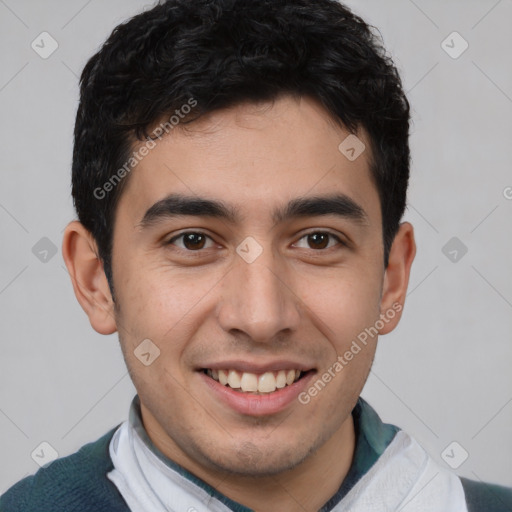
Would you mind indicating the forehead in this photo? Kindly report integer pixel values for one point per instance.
(256, 158)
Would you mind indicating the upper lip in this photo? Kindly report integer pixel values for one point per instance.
(254, 367)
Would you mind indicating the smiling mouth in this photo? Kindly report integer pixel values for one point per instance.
(257, 384)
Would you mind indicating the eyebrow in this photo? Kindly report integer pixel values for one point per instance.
(176, 205)
(340, 205)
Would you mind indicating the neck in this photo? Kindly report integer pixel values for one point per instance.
(289, 491)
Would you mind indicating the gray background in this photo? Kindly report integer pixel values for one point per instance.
(443, 375)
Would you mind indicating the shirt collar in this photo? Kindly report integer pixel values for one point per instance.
(372, 438)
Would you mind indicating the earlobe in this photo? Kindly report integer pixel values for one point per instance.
(88, 277)
(396, 276)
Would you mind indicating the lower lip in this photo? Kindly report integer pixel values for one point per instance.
(257, 405)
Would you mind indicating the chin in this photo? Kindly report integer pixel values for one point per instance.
(250, 459)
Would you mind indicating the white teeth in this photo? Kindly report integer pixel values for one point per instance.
(233, 379)
(267, 382)
(281, 379)
(223, 377)
(249, 382)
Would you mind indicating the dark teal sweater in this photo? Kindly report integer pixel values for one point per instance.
(78, 483)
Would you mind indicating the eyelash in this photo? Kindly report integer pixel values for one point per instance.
(332, 235)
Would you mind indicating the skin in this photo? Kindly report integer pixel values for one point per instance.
(297, 300)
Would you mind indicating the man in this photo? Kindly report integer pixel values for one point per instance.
(240, 172)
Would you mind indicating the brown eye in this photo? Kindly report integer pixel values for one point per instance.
(318, 240)
(191, 241)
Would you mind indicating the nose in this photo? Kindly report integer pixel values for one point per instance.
(257, 300)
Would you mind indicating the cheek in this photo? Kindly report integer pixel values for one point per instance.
(346, 302)
(347, 308)
(165, 306)
(348, 314)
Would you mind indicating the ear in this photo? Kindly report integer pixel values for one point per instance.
(396, 277)
(88, 277)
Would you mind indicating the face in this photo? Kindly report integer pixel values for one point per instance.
(248, 247)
